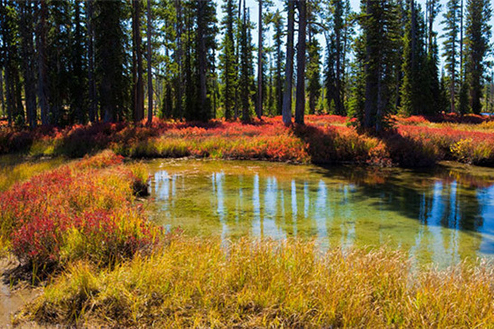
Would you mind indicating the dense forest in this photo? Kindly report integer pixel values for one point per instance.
(74, 62)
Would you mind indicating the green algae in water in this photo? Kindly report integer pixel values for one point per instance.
(439, 217)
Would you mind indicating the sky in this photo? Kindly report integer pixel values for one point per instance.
(254, 12)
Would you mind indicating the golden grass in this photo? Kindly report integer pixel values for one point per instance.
(200, 283)
(14, 169)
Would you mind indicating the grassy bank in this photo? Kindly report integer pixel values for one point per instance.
(197, 283)
(82, 227)
(85, 209)
(415, 142)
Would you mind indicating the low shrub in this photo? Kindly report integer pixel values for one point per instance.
(85, 209)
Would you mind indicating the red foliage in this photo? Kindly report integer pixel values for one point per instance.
(325, 139)
(93, 198)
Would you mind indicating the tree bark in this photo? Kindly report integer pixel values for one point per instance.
(300, 93)
(371, 74)
(27, 46)
(138, 88)
(150, 72)
(287, 94)
(259, 65)
(2, 99)
(43, 95)
(202, 60)
(90, 46)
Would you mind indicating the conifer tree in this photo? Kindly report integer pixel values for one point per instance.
(314, 59)
(336, 41)
(110, 59)
(416, 94)
(26, 26)
(287, 92)
(301, 54)
(450, 47)
(478, 35)
(228, 58)
(381, 32)
(278, 23)
(9, 29)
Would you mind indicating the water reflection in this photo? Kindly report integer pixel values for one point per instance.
(436, 218)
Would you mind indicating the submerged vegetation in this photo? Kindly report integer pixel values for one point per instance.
(416, 141)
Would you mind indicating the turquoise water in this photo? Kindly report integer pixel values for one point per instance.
(439, 217)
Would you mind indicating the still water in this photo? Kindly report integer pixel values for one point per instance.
(439, 217)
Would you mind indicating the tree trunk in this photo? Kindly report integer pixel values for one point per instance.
(300, 93)
(287, 93)
(259, 65)
(27, 46)
(90, 51)
(371, 76)
(462, 77)
(43, 95)
(202, 60)
(138, 88)
(150, 72)
(2, 99)
(178, 111)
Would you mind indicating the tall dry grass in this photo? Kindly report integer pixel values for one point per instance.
(252, 284)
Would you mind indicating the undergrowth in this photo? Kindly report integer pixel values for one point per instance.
(414, 142)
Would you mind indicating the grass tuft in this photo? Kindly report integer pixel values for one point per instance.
(251, 283)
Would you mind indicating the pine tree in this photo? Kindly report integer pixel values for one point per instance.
(314, 63)
(92, 101)
(450, 47)
(245, 67)
(478, 35)
(279, 60)
(301, 54)
(381, 34)
(110, 59)
(137, 65)
(336, 41)
(416, 94)
(149, 32)
(9, 29)
(228, 59)
(287, 92)
(26, 26)
(78, 88)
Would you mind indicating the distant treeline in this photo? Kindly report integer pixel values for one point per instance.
(69, 62)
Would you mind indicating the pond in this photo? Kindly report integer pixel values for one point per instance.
(438, 217)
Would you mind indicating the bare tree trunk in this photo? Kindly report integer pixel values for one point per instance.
(371, 81)
(90, 46)
(27, 46)
(2, 99)
(43, 95)
(203, 93)
(259, 65)
(150, 72)
(461, 44)
(414, 34)
(287, 93)
(300, 94)
(138, 89)
(179, 55)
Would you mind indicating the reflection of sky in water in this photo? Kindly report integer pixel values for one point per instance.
(440, 222)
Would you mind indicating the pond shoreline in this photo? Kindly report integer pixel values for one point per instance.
(85, 292)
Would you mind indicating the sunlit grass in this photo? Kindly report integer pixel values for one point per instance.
(199, 283)
(15, 168)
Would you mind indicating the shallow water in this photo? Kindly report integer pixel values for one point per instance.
(439, 217)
